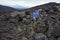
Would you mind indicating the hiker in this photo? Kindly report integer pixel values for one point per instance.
(35, 14)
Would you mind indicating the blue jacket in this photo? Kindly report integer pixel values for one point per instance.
(35, 14)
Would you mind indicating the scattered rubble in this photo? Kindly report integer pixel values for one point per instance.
(21, 26)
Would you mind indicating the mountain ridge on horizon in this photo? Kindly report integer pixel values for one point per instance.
(5, 8)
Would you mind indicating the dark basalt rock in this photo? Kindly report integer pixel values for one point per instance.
(20, 25)
(40, 36)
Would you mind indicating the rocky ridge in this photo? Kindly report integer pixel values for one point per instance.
(21, 26)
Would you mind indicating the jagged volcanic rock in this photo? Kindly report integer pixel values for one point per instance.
(21, 26)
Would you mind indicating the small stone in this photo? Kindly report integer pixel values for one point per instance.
(59, 38)
(14, 14)
(19, 29)
(24, 38)
(40, 36)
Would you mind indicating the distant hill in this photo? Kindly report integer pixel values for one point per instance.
(19, 7)
(4, 9)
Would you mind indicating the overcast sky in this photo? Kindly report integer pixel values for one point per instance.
(27, 3)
